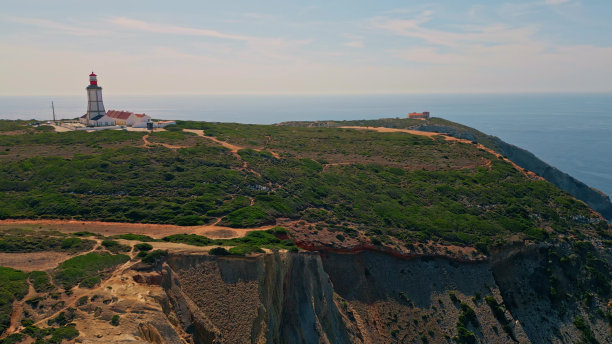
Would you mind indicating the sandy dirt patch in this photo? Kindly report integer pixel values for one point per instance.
(156, 231)
(32, 261)
(143, 129)
(61, 129)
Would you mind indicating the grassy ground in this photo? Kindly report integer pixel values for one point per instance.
(27, 240)
(411, 188)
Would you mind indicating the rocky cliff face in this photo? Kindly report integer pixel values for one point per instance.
(370, 297)
(273, 298)
(597, 200)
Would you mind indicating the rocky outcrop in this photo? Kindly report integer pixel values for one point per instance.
(597, 200)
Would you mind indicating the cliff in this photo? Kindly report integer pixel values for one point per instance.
(372, 297)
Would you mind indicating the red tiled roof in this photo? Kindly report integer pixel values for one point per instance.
(119, 114)
(139, 115)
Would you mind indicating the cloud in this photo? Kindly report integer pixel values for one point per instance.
(354, 41)
(464, 34)
(172, 29)
(269, 46)
(354, 44)
(556, 2)
(58, 27)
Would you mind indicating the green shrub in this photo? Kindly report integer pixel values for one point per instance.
(40, 281)
(136, 237)
(467, 315)
(190, 220)
(155, 257)
(87, 266)
(219, 251)
(90, 282)
(242, 250)
(13, 286)
(58, 335)
(13, 339)
(82, 301)
(191, 239)
(16, 240)
(115, 320)
(143, 247)
(115, 246)
(587, 334)
(465, 336)
(278, 230)
(252, 216)
(85, 234)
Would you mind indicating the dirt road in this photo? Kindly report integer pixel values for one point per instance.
(114, 228)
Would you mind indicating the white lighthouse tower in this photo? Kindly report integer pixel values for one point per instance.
(96, 115)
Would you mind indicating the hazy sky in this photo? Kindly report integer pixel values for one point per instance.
(196, 47)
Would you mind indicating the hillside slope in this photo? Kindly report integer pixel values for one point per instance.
(322, 235)
(525, 159)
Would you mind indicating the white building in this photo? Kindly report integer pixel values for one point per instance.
(95, 116)
(130, 119)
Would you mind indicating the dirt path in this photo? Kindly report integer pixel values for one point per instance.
(148, 144)
(447, 138)
(17, 312)
(156, 231)
(233, 148)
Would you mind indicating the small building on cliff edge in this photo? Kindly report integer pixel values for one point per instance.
(419, 115)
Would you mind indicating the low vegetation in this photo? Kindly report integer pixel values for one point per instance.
(13, 285)
(86, 269)
(115, 247)
(41, 281)
(397, 188)
(24, 240)
(252, 242)
(137, 237)
(49, 335)
(143, 247)
(153, 257)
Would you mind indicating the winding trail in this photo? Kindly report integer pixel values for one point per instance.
(232, 147)
(17, 312)
(149, 144)
(447, 137)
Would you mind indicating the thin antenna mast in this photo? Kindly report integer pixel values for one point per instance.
(53, 107)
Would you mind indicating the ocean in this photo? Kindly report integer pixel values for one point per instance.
(572, 132)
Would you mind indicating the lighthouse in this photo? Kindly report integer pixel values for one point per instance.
(96, 115)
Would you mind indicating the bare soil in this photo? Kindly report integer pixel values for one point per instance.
(156, 231)
(33, 261)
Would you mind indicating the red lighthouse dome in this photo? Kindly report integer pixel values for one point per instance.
(92, 79)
